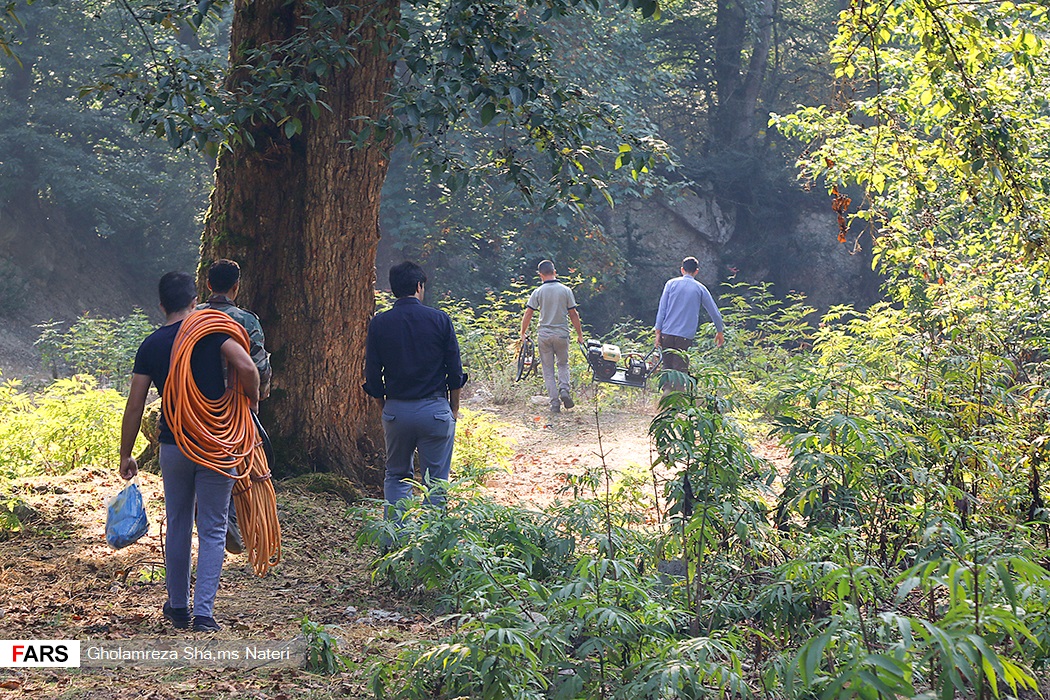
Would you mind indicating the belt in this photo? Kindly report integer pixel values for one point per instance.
(442, 395)
(675, 342)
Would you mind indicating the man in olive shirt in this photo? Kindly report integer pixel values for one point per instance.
(224, 281)
(556, 303)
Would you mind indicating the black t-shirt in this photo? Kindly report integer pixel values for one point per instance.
(153, 359)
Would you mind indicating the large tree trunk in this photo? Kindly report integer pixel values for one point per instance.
(301, 216)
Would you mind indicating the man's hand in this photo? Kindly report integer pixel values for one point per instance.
(453, 403)
(657, 338)
(129, 468)
(579, 338)
(526, 320)
(131, 423)
(238, 360)
(719, 339)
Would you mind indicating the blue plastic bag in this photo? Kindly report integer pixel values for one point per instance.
(125, 518)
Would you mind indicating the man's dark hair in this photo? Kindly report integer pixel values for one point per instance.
(222, 275)
(177, 290)
(546, 267)
(690, 265)
(405, 278)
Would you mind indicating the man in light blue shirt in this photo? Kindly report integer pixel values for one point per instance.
(679, 315)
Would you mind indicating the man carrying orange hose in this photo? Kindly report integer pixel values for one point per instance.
(186, 482)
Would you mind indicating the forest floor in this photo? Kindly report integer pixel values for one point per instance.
(59, 579)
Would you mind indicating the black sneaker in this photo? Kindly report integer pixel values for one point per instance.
(205, 624)
(234, 541)
(566, 399)
(178, 617)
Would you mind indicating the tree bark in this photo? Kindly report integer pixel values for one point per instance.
(730, 32)
(301, 216)
(756, 71)
(733, 125)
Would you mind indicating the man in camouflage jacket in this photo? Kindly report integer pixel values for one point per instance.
(224, 280)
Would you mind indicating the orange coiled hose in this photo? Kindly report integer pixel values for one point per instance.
(220, 435)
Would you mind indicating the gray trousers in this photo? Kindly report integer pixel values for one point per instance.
(554, 347)
(186, 484)
(425, 425)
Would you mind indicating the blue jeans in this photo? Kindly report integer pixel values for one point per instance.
(425, 425)
(186, 484)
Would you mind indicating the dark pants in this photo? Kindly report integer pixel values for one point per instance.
(674, 360)
(425, 425)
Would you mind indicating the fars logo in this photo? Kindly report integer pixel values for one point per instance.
(40, 653)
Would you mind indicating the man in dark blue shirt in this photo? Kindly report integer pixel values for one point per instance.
(412, 366)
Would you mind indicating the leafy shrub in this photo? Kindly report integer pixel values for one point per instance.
(322, 649)
(479, 450)
(102, 347)
(487, 332)
(556, 604)
(72, 423)
(902, 554)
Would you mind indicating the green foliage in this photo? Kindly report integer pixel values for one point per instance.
(487, 332)
(72, 423)
(322, 649)
(480, 450)
(477, 229)
(102, 347)
(981, 598)
(559, 604)
(947, 142)
(9, 522)
(898, 554)
(466, 62)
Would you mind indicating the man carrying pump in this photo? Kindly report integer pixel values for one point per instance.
(679, 315)
(224, 281)
(413, 367)
(556, 303)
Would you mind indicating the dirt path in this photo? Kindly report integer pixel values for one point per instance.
(546, 447)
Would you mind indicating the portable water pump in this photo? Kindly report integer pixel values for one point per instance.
(609, 365)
